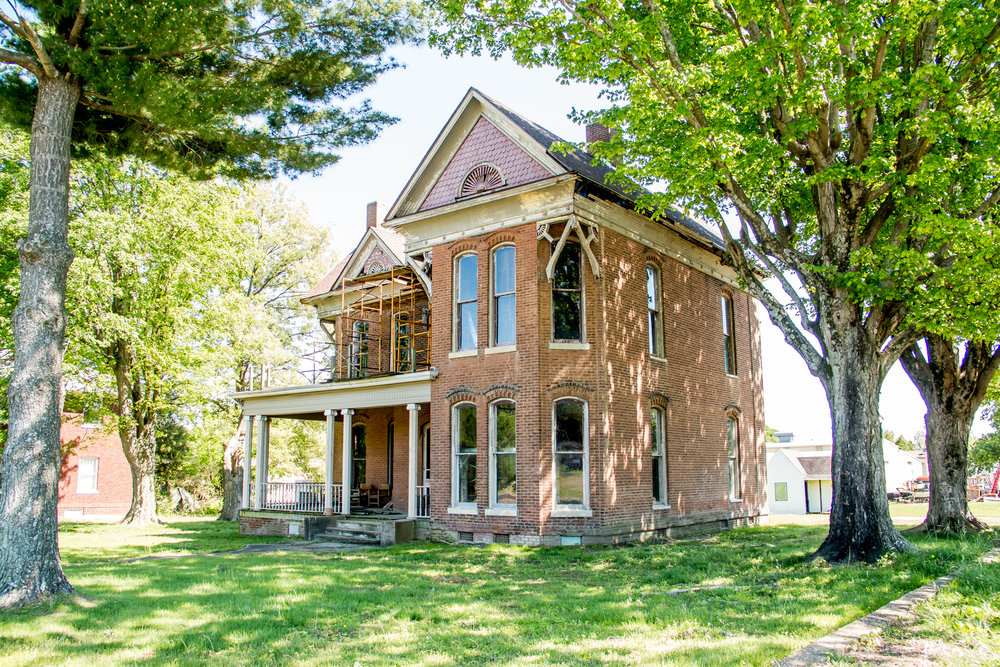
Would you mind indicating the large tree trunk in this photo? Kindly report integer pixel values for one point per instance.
(952, 390)
(232, 475)
(861, 529)
(30, 569)
(139, 445)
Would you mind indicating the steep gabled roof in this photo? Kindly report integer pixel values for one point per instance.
(538, 141)
(389, 241)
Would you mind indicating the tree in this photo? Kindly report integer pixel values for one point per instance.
(984, 455)
(847, 141)
(238, 87)
(152, 249)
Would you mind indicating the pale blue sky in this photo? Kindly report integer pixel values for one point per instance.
(424, 94)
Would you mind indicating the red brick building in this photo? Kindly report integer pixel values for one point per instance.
(523, 357)
(95, 481)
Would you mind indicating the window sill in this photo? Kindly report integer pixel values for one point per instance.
(572, 513)
(735, 501)
(500, 349)
(87, 493)
(500, 511)
(658, 358)
(463, 353)
(734, 377)
(467, 511)
(569, 346)
(660, 506)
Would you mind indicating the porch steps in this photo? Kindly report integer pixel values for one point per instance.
(353, 532)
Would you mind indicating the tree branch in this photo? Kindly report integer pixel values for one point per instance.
(77, 30)
(43, 56)
(21, 60)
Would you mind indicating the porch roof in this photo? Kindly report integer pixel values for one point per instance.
(311, 400)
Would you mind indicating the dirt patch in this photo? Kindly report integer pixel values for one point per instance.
(900, 649)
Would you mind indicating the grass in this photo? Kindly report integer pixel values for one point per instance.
(988, 512)
(437, 604)
(93, 542)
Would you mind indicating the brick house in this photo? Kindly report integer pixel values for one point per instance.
(522, 357)
(94, 481)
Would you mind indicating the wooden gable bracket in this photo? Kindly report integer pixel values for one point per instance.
(586, 233)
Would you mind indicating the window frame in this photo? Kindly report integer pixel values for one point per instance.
(390, 437)
(355, 482)
(556, 505)
(654, 319)
(455, 502)
(92, 489)
(494, 453)
(358, 349)
(728, 335)
(733, 458)
(456, 328)
(784, 486)
(425, 443)
(495, 298)
(581, 289)
(657, 412)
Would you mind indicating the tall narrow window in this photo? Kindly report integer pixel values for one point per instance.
(359, 350)
(567, 295)
(426, 439)
(403, 347)
(466, 305)
(359, 455)
(464, 449)
(503, 450)
(733, 447)
(570, 435)
(659, 446)
(504, 299)
(86, 475)
(728, 340)
(653, 305)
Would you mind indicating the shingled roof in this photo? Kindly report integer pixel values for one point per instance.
(587, 166)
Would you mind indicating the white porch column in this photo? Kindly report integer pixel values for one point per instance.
(262, 442)
(331, 416)
(345, 492)
(414, 436)
(247, 454)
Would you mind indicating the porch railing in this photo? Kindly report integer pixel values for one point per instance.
(423, 502)
(299, 497)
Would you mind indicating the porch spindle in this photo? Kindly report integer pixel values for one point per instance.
(331, 416)
(414, 437)
(345, 491)
(262, 443)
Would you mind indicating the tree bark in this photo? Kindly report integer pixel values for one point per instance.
(952, 390)
(232, 475)
(137, 430)
(30, 568)
(861, 529)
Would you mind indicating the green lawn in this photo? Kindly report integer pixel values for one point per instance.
(436, 604)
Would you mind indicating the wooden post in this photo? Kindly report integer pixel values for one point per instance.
(345, 492)
(414, 438)
(247, 454)
(331, 416)
(262, 443)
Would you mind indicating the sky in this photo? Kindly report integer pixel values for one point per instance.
(424, 94)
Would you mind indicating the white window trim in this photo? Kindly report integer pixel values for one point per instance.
(455, 280)
(491, 341)
(493, 455)
(576, 344)
(469, 508)
(657, 351)
(501, 349)
(734, 486)
(572, 510)
(729, 322)
(664, 487)
(97, 465)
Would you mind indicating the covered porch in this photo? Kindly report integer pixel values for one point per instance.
(377, 434)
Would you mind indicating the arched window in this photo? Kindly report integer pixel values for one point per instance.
(463, 437)
(655, 322)
(658, 436)
(504, 301)
(571, 453)
(503, 454)
(466, 304)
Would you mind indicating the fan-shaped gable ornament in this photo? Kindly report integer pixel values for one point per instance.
(481, 178)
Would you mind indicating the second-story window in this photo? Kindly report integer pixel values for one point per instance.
(466, 305)
(359, 350)
(567, 295)
(653, 306)
(728, 340)
(504, 297)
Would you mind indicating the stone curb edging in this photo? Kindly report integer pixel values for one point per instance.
(840, 641)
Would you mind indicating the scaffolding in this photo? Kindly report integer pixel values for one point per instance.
(384, 327)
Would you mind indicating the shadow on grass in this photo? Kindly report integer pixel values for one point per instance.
(429, 603)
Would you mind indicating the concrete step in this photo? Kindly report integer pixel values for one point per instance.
(349, 537)
(367, 526)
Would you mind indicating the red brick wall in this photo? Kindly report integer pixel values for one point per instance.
(114, 479)
(620, 382)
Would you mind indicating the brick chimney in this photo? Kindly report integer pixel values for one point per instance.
(374, 214)
(597, 132)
